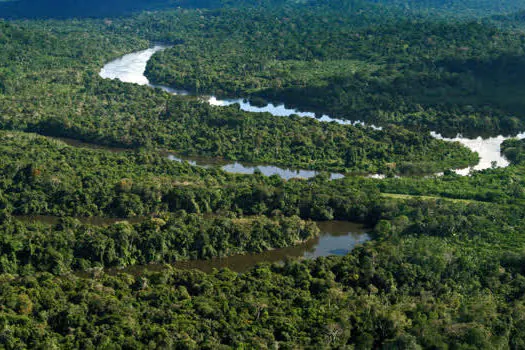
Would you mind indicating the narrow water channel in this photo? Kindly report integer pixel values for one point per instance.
(246, 168)
(234, 168)
(93, 220)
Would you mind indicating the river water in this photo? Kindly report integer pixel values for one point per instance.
(130, 69)
(489, 150)
(246, 168)
(336, 238)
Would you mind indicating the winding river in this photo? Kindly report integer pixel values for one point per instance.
(130, 69)
(337, 238)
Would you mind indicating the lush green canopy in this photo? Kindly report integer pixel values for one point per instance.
(444, 269)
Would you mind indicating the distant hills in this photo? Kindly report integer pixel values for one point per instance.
(91, 8)
(477, 8)
(110, 8)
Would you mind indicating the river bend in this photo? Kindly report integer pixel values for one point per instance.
(130, 69)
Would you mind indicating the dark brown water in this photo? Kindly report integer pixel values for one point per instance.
(337, 238)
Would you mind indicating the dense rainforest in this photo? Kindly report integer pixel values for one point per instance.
(97, 8)
(443, 268)
(457, 8)
(449, 77)
(74, 102)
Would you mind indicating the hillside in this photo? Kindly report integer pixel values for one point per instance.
(456, 8)
(91, 8)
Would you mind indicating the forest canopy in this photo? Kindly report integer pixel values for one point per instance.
(443, 262)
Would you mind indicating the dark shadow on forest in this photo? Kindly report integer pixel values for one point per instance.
(474, 97)
(63, 9)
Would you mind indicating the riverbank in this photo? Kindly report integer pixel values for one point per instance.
(130, 68)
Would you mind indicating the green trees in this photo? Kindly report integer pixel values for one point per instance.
(452, 76)
(445, 268)
(75, 103)
(514, 150)
(415, 293)
(70, 245)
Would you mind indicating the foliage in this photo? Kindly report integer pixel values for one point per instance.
(27, 248)
(74, 102)
(514, 150)
(46, 177)
(456, 8)
(445, 268)
(450, 77)
(416, 293)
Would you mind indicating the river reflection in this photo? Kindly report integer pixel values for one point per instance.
(208, 162)
(489, 150)
(130, 68)
(280, 110)
(336, 238)
(244, 168)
